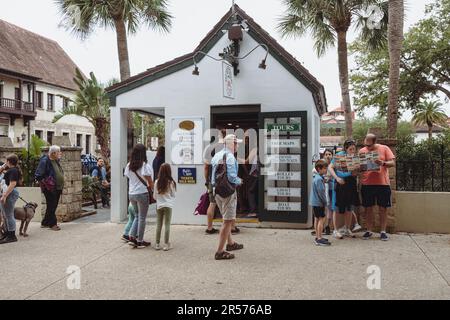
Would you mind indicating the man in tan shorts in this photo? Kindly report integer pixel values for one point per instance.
(227, 205)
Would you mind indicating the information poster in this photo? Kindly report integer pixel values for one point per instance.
(187, 142)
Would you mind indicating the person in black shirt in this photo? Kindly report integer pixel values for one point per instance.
(9, 197)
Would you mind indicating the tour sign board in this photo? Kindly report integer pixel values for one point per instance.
(284, 206)
(284, 143)
(284, 192)
(283, 158)
(284, 176)
(187, 175)
(288, 127)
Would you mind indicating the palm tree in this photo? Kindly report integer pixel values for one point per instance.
(92, 103)
(395, 40)
(124, 16)
(328, 22)
(430, 114)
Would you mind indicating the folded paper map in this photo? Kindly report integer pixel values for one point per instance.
(362, 162)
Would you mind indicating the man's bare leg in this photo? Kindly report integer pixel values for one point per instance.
(225, 235)
(383, 218)
(210, 215)
(369, 218)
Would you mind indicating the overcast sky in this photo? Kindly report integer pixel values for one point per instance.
(193, 20)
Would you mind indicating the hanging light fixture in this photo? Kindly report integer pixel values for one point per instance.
(231, 53)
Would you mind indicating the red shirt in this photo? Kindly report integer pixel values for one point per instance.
(378, 178)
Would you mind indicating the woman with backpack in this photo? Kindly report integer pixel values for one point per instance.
(9, 197)
(140, 186)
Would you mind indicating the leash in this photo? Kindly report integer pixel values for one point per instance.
(27, 203)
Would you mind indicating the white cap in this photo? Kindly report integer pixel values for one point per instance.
(232, 137)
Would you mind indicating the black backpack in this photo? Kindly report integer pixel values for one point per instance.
(223, 187)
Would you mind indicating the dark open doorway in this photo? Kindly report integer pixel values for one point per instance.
(245, 118)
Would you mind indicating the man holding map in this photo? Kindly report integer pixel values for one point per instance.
(376, 188)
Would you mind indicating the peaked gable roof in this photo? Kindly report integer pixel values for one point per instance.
(256, 32)
(23, 52)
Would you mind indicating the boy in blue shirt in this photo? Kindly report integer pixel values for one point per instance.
(318, 201)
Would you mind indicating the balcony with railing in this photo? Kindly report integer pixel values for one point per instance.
(18, 107)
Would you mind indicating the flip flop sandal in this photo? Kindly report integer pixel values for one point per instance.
(224, 256)
(235, 246)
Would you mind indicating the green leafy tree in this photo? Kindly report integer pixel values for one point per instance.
(29, 159)
(92, 103)
(424, 64)
(362, 126)
(328, 21)
(124, 16)
(430, 114)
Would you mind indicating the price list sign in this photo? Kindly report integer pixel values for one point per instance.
(283, 185)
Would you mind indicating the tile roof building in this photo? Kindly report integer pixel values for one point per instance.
(36, 81)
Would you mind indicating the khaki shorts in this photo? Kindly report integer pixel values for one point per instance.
(227, 206)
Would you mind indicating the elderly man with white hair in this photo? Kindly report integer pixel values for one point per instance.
(225, 164)
(50, 176)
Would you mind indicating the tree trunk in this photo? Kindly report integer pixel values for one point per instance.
(430, 132)
(122, 48)
(124, 63)
(343, 79)
(395, 39)
(102, 133)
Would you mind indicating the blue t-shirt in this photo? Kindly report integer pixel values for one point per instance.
(318, 196)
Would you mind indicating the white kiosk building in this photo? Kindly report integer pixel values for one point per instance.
(257, 84)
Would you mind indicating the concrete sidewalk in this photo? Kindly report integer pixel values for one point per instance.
(275, 264)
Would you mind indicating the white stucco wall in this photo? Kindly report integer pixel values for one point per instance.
(183, 95)
(421, 136)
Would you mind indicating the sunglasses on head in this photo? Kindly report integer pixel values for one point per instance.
(349, 143)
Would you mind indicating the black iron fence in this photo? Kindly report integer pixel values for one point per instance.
(423, 175)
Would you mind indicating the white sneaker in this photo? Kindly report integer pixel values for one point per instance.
(337, 234)
(167, 247)
(357, 228)
(158, 246)
(348, 233)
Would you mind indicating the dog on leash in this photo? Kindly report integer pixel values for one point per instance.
(25, 215)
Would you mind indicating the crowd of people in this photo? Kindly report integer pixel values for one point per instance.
(50, 176)
(144, 191)
(336, 192)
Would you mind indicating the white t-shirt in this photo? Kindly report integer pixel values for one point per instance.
(166, 200)
(135, 185)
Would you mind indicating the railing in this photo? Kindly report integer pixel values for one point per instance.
(432, 175)
(16, 105)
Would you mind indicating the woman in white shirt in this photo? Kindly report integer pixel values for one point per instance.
(164, 194)
(139, 174)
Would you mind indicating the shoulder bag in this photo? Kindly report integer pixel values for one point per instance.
(149, 189)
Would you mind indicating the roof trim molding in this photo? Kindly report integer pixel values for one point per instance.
(256, 32)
